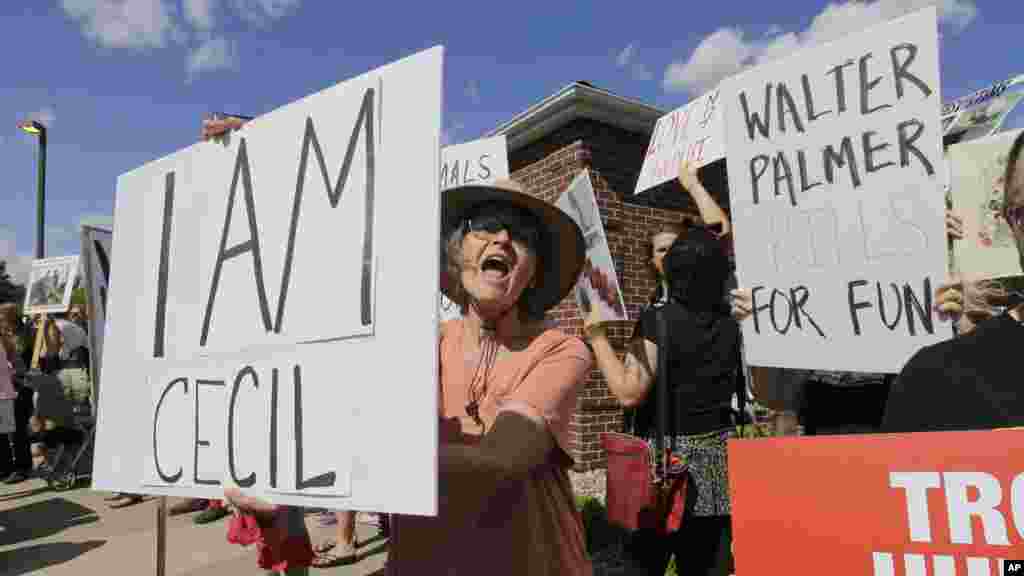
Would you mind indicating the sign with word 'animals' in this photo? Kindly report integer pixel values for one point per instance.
(836, 186)
(598, 284)
(269, 320)
(694, 132)
(479, 162)
(926, 504)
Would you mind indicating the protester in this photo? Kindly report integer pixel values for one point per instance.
(8, 393)
(702, 360)
(974, 381)
(508, 387)
(16, 456)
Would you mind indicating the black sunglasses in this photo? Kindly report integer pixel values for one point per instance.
(521, 225)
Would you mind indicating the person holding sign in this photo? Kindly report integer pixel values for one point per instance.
(972, 382)
(508, 387)
(702, 359)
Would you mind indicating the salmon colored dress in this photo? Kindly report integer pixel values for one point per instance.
(528, 525)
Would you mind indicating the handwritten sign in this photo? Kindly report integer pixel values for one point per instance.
(836, 186)
(988, 249)
(936, 503)
(264, 311)
(598, 284)
(97, 251)
(695, 131)
(483, 161)
(981, 113)
(50, 284)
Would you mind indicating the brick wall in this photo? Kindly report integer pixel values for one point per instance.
(614, 157)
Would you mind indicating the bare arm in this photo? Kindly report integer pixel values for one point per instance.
(710, 212)
(629, 380)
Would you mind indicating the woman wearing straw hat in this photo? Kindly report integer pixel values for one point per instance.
(508, 388)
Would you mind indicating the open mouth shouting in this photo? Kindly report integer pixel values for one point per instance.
(497, 266)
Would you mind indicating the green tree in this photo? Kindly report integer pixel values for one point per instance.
(9, 291)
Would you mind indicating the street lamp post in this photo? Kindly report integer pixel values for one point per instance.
(37, 128)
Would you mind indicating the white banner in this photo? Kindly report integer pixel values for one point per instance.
(836, 187)
(598, 284)
(695, 131)
(268, 307)
(97, 249)
(483, 161)
(987, 249)
(982, 113)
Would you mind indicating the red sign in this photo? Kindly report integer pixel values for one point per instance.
(929, 504)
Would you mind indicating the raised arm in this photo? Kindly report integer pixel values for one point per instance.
(630, 379)
(710, 212)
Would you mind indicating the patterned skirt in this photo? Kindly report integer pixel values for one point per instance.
(706, 454)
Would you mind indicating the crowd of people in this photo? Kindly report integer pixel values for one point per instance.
(509, 383)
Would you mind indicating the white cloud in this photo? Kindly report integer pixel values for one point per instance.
(124, 23)
(473, 91)
(627, 59)
(212, 54)
(46, 115)
(727, 50)
(18, 265)
(199, 13)
(262, 11)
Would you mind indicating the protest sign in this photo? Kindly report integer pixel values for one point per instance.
(836, 188)
(268, 306)
(981, 114)
(937, 503)
(50, 284)
(988, 249)
(695, 132)
(483, 161)
(598, 284)
(97, 249)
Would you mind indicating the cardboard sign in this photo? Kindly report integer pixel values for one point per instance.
(598, 284)
(50, 284)
(97, 250)
(483, 161)
(265, 312)
(927, 504)
(836, 186)
(695, 131)
(988, 249)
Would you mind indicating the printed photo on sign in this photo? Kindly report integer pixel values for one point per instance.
(695, 132)
(280, 268)
(934, 503)
(836, 187)
(987, 249)
(981, 113)
(483, 161)
(50, 284)
(598, 284)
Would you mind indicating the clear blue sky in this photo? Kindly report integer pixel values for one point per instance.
(123, 82)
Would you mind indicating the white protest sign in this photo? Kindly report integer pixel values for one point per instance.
(97, 249)
(695, 132)
(483, 161)
(836, 186)
(50, 284)
(268, 321)
(598, 283)
(987, 249)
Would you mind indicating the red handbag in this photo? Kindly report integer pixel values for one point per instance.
(635, 498)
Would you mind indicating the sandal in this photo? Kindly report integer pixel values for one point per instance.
(324, 547)
(331, 559)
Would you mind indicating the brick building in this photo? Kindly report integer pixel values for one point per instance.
(581, 127)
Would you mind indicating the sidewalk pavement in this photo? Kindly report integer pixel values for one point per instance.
(75, 532)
